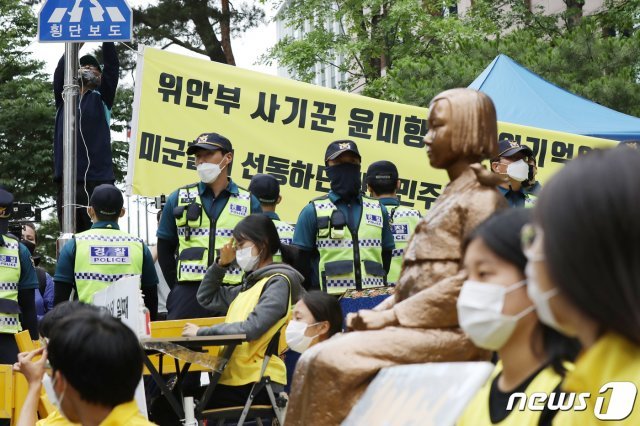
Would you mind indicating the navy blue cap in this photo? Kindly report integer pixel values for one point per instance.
(337, 148)
(6, 201)
(107, 200)
(211, 142)
(507, 148)
(90, 60)
(265, 187)
(382, 171)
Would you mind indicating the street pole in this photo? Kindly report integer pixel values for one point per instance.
(146, 217)
(70, 97)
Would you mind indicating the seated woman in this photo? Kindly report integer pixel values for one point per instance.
(584, 278)
(259, 308)
(316, 317)
(496, 313)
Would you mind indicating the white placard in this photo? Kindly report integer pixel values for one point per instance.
(122, 299)
(420, 394)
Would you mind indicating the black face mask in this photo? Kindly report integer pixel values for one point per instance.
(345, 180)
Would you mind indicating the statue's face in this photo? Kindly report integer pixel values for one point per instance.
(439, 138)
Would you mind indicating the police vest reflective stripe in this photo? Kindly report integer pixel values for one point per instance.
(103, 256)
(403, 220)
(196, 233)
(347, 261)
(285, 233)
(246, 363)
(9, 278)
(530, 200)
(477, 412)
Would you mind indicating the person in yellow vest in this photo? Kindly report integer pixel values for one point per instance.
(383, 183)
(96, 365)
(496, 313)
(197, 221)
(96, 258)
(18, 284)
(584, 276)
(517, 164)
(266, 189)
(259, 308)
(344, 237)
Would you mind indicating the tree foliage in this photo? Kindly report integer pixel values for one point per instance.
(27, 109)
(408, 51)
(200, 26)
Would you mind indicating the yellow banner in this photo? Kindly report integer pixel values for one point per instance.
(282, 127)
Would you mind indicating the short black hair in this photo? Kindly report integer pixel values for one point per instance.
(325, 307)
(60, 312)
(260, 230)
(98, 355)
(383, 186)
(590, 214)
(501, 234)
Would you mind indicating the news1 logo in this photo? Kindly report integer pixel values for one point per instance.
(621, 401)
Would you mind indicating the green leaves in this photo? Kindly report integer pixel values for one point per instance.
(423, 51)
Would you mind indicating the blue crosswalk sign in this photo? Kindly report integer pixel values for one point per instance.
(85, 21)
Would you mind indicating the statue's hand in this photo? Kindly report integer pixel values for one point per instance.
(367, 319)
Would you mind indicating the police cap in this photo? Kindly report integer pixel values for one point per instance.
(265, 187)
(508, 148)
(211, 142)
(382, 171)
(337, 148)
(107, 200)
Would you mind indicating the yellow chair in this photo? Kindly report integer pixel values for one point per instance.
(25, 344)
(174, 328)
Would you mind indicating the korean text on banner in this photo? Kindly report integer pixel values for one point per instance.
(282, 127)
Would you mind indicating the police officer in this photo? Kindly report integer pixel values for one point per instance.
(197, 221)
(383, 184)
(345, 236)
(266, 189)
(18, 284)
(515, 162)
(96, 258)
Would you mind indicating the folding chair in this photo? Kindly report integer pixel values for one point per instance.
(249, 411)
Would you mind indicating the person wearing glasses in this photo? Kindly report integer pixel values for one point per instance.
(583, 275)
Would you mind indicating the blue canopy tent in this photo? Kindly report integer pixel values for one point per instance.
(522, 97)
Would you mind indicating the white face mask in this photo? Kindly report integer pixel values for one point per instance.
(541, 299)
(295, 336)
(480, 313)
(518, 170)
(51, 393)
(209, 172)
(246, 260)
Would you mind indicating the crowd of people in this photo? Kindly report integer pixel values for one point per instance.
(543, 281)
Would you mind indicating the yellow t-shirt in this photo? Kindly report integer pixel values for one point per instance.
(126, 414)
(612, 358)
(56, 419)
(477, 412)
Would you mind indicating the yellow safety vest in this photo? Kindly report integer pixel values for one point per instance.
(197, 233)
(247, 359)
(403, 220)
(103, 256)
(285, 233)
(349, 261)
(9, 278)
(477, 412)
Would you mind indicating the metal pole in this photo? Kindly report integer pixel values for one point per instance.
(146, 217)
(128, 215)
(70, 97)
(138, 212)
